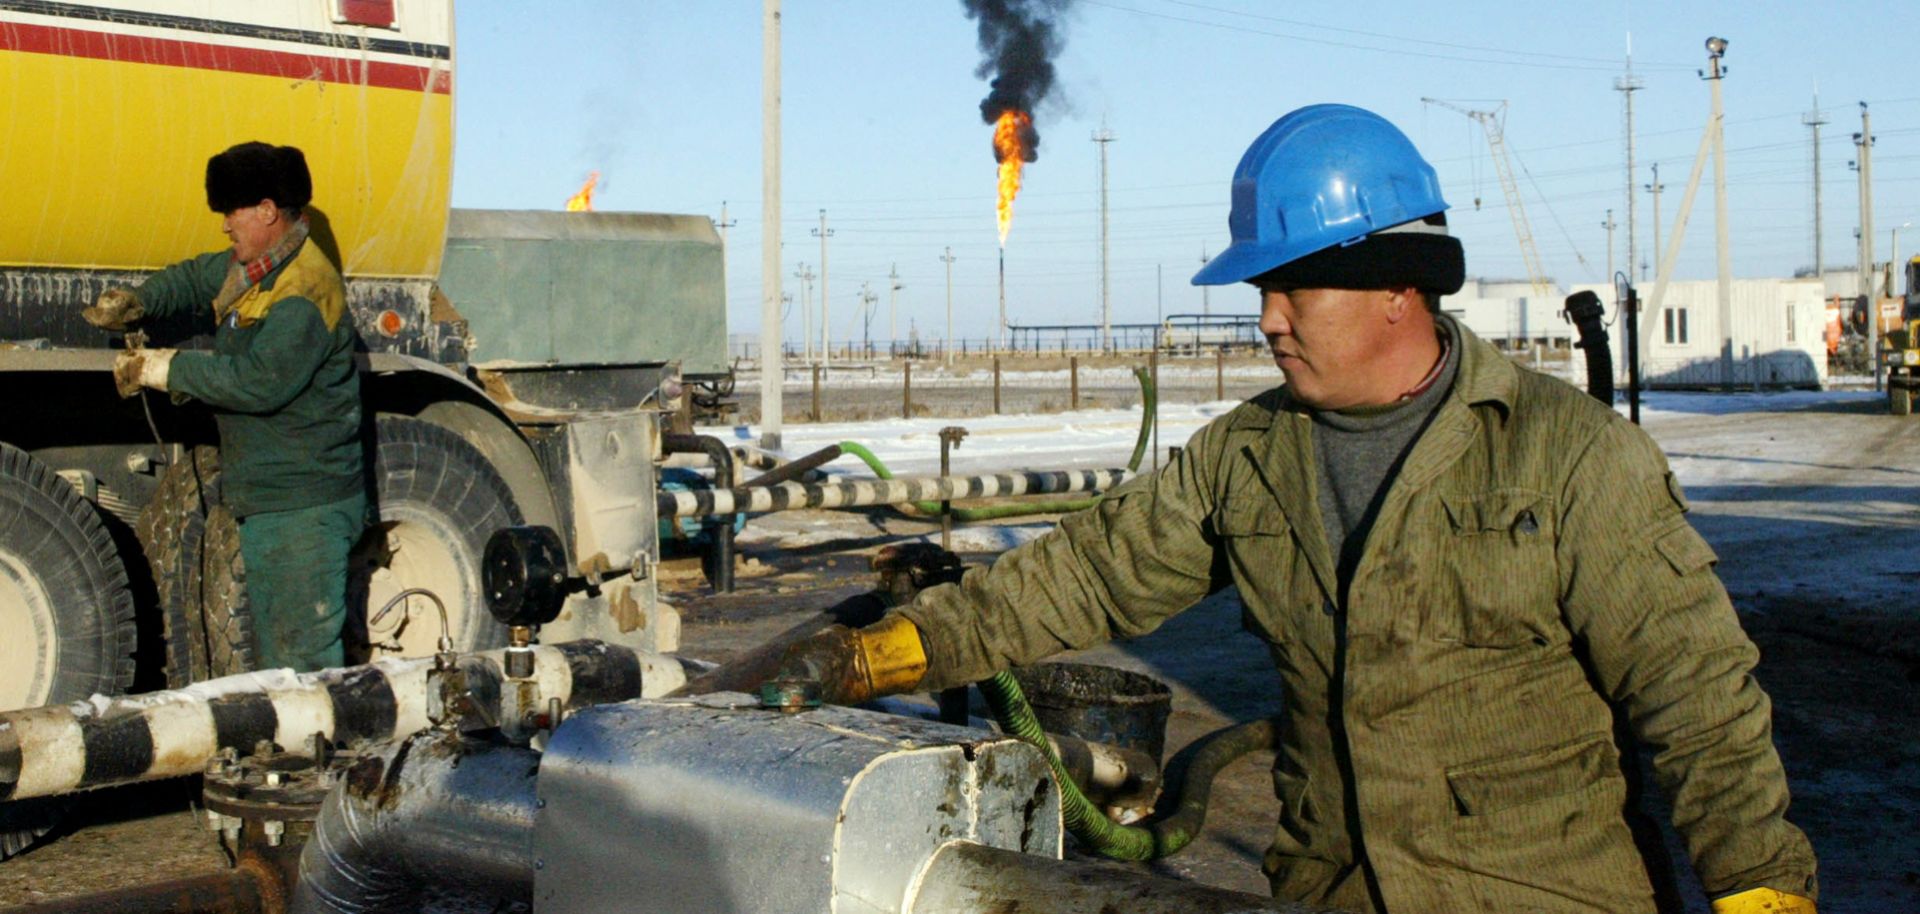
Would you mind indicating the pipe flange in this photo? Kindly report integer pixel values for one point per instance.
(271, 787)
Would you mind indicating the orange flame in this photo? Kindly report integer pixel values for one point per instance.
(582, 202)
(1009, 135)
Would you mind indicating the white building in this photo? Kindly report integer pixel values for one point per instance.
(1777, 339)
(1777, 334)
(1511, 314)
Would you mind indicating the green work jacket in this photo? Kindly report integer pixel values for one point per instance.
(1450, 727)
(281, 378)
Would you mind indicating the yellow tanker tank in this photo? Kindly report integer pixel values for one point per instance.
(112, 113)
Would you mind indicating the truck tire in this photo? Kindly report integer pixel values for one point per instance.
(65, 603)
(192, 544)
(437, 499)
(65, 607)
(1899, 400)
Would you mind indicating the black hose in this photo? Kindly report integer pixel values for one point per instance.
(721, 574)
(1585, 311)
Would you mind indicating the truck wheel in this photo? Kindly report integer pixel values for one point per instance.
(65, 604)
(65, 607)
(1900, 400)
(193, 546)
(437, 500)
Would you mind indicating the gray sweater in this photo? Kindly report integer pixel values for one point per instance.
(1359, 452)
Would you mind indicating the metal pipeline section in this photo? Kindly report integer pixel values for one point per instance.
(102, 742)
(967, 878)
(716, 451)
(435, 816)
(790, 496)
(449, 818)
(793, 470)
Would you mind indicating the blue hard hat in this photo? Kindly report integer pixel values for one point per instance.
(1321, 176)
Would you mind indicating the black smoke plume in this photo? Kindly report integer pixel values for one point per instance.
(1019, 39)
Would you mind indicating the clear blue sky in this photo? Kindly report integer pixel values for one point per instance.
(881, 129)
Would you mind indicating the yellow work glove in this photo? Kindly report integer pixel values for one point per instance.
(115, 309)
(137, 368)
(1763, 901)
(852, 665)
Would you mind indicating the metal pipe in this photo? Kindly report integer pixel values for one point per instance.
(795, 469)
(434, 815)
(101, 742)
(756, 458)
(746, 672)
(789, 496)
(966, 878)
(716, 451)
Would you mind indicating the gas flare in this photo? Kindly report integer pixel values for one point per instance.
(1013, 149)
(582, 202)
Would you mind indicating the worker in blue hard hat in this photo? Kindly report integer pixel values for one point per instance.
(1463, 571)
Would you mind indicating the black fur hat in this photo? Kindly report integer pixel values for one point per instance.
(251, 172)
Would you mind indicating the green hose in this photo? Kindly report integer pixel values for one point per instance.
(1182, 810)
(1166, 834)
(1083, 821)
(1148, 401)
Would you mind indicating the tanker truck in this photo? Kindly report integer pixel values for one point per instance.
(517, 368)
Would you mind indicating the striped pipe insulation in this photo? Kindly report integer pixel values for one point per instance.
(791, 496)
(105, 741)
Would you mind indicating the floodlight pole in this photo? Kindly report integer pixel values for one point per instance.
(772, 372)
(948, 342)
(1723, 289)
(1864, 140)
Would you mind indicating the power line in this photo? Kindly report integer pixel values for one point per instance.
(1347, 44)
(1389, 37)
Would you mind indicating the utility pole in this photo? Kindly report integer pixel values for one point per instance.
(772, 373)
(947, 344)
(1814, 119)
(806, 309)
(1627, 85)
(826, 336)
(892, 297)
(1610, 225)
(1893, 256)
(1000, 342)
(726, 262)
(1711, 141)
(1716, 49)
(867, 298)
(1103, 136)
(1655, 188)
(1863, 141)
(1206, 308)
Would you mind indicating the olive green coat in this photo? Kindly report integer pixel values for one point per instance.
(1451, 725)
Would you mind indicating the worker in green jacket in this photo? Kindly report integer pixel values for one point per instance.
(1461, 569)
(283, 389)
